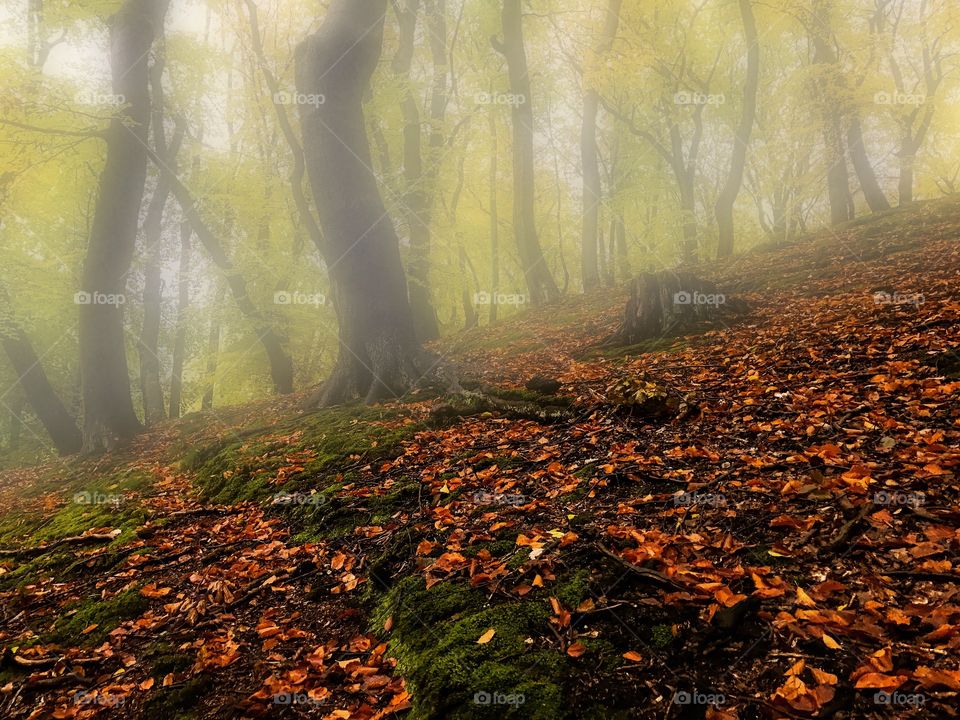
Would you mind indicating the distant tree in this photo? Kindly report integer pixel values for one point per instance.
(741, 138)
(540, 283)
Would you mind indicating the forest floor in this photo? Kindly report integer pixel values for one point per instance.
(785, 545)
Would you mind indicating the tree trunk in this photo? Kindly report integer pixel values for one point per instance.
(589, 155)
(281, 365)
(872, 192)
(494, 215)
(37, 389)
(213, 354)
(415, 198)
(838, 179)
(16, 422)
(379, 355)
(540, 283)
(150, 386)
(109, 417)
(908, 160)
(299, 168)
(180, 338)
(741, 139)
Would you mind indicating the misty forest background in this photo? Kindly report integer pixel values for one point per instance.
(664, 132)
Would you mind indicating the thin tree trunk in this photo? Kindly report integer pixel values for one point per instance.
(380, 356)
(281, 365)
(180, 337)
(589, 155)
(415, 199)
(46, 404)
(149, 345)
(286, 127)
(540, 283)
(838, 179)
(741, 139)
(109, 417)
(494, 215)
(16, 422)
(213, 353)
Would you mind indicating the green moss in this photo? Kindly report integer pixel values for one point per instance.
(245, 467)
(434, 639)
(178, 702)
(164, 659)
(105, 614)
(662, 636)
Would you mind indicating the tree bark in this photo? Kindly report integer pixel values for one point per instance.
(741, 138)
(50, 410)
(872, 192)
(379, 356)
(109, 417)
(590, 154)
(540, 283)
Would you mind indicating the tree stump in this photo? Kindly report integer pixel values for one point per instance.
(668, 302)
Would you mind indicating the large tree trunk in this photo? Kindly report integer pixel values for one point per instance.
(379, 355)
(540, 283)
(415, 206)
(109, 417)
(590, 156)
(872, 192)
(741, 139)
(37, 389)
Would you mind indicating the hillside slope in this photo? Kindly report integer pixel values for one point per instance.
(780, 543)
